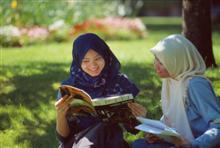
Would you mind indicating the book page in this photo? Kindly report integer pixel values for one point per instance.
(153, 123)
(169, 132)
(76, 92)
(111, 100)
(158, 128)
(149, 129)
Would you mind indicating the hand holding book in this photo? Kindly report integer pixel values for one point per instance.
(158, 131)
(111, 109)
(137, 109)
(152, 138)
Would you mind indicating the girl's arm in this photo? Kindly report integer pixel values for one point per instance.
(137, 109)
(61, 110)
(207, 106)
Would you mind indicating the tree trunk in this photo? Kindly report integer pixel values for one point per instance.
(197, 27)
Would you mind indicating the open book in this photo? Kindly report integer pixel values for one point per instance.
(159, 129)
(112, 109)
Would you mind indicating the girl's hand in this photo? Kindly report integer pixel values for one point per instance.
(62, 105)
(137, 109)
(151, 138)
(180, 142)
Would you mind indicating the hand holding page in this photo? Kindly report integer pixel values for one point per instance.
(159, 129)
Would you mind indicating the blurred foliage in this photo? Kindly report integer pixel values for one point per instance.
(25, 22)
(44, 12)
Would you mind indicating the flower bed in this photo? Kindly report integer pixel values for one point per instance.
(109, 28)
(14, 36)
(112, 28)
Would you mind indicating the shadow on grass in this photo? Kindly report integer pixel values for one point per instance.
(33, 95)
(36, 94)
(30, 86)
(144, 76)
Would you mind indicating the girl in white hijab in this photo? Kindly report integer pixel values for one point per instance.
(189, 103)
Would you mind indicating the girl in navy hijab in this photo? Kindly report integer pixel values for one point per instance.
(96, 70)
(109, 81)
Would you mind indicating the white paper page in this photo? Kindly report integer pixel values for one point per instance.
(154, 123)
(148, 129)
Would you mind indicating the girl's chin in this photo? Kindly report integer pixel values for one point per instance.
(161, 75)
(94, 74)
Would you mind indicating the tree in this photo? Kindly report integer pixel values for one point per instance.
(197, 27)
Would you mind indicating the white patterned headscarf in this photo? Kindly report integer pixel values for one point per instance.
(182, 60)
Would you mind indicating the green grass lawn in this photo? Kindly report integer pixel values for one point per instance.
(30, 77)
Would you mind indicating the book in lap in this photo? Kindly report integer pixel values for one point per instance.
(113, 108)
(159, 129)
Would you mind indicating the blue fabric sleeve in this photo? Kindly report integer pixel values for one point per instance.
(208, 106)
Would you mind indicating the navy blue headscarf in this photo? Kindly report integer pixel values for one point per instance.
(110, 81)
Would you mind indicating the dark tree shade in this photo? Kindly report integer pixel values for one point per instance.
(197, 27)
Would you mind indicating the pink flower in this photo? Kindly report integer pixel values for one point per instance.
(38, 32)
(112, 26)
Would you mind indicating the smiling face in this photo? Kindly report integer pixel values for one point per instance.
(93, 63)
(160, 69)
